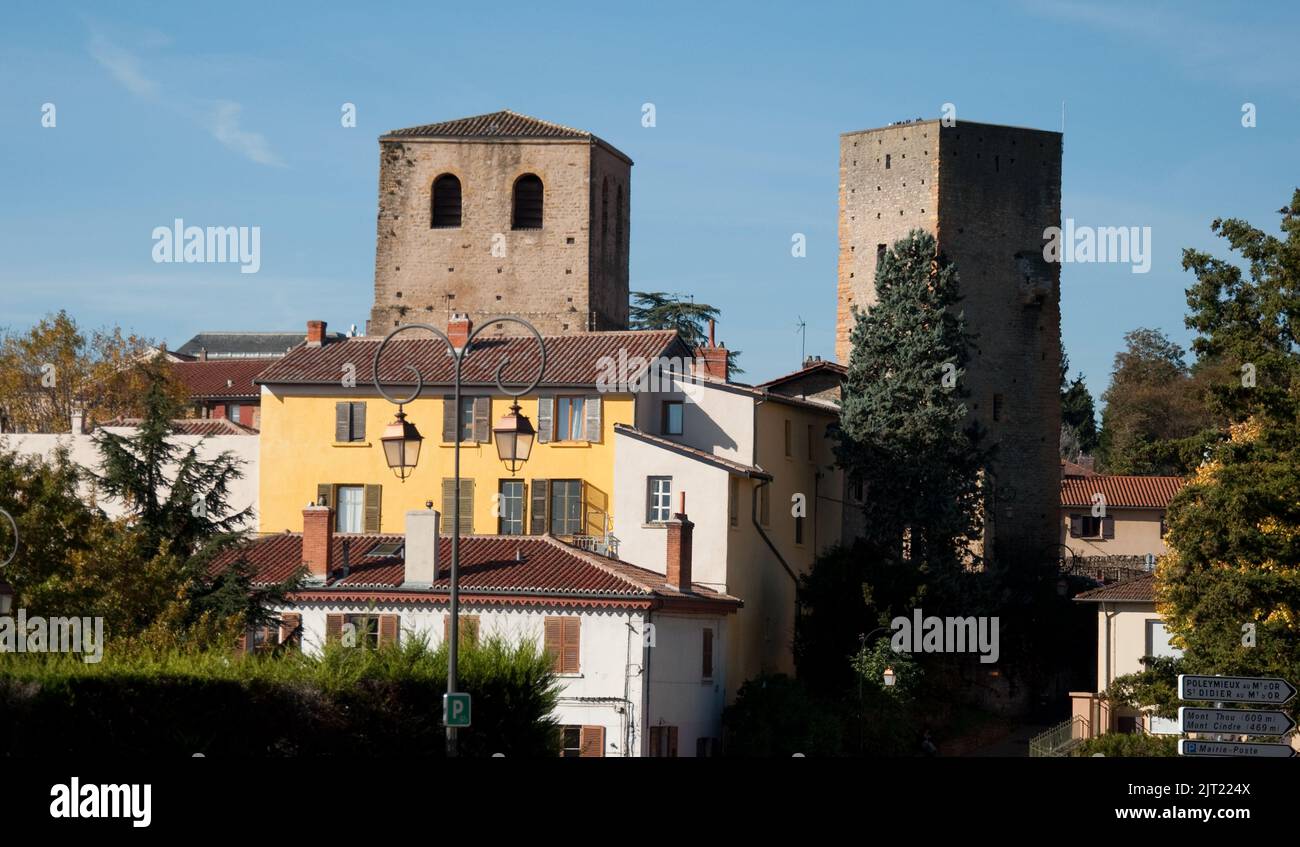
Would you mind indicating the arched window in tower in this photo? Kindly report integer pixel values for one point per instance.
(620, 228)
(446, 202)
(528, 203)
(604, 217)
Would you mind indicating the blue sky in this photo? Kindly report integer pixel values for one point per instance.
(229, 114)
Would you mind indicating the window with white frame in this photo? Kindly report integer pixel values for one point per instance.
(659, 495)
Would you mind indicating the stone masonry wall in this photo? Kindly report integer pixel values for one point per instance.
(545, 275)
(987, 193)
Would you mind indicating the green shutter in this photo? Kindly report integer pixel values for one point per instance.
(545, 418)
(373, 494)
(540, 503)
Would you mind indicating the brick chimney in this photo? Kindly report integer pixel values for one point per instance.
(680, 531)
(711, 360)
(458, 330)
(421, 548)
(317, 541)
(203, 354)
(315, 333)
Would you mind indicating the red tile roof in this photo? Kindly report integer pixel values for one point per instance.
(1074, 469)
(1136, 492)
(834, 368)
(221, 378)
(192, 426)
(502, 124)
(571, 360)
(1141, 589)
(490, 565)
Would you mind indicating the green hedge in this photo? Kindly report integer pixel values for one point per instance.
(1129, 744)
(349, 702)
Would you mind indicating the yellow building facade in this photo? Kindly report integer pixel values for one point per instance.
(321, 435)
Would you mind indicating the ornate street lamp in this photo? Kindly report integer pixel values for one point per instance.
(514, 435)
(890, 677)
(402, 441)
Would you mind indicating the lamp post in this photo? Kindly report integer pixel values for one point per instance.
(7, 590)
(402, 441)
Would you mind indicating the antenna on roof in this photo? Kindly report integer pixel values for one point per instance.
(801, 327)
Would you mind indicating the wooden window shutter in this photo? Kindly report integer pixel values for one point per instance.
(545, 419)
(333, 629)
(482, 419)
(448, 502)
(388, 629)
(571, 631)
(325, 495)
(1076, 526)
(358, 429)
(672, 742)
(553, 639)
(291, 628)
(1107, 527)
(449, 419)
(591, 426)
(466, 506)
(373, 496)
(468, 629)
(592, 744)
(707, 670)
(342, 422)
(541, 501)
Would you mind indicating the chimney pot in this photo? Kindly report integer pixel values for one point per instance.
(318, 541)
(458, 330)
(315, 333)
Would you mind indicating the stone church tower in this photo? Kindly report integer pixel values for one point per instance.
(986, 193)
(501, 214)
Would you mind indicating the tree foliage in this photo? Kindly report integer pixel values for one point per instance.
(1230, 584)
(1079, 435)
(660, 310)
(1155, 420)
(55, 367)
(903, 428)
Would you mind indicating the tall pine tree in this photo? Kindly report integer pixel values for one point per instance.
(904, 431)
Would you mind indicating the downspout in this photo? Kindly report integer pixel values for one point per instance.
(645, 680)
(753, 516)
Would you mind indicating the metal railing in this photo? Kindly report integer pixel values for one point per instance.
(1060, 739)
(604, 545)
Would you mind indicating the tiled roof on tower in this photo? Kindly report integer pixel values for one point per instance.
(502, 124)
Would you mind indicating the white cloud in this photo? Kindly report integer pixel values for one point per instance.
(251, 145)
(123, 66)
(221, 120)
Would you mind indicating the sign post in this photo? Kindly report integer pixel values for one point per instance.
(455, 710)
(1233, 748)
(1264, 690)
(1234, 721)
(1218, 721)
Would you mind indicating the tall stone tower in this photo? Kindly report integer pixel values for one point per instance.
(986, 193)
(501, 214)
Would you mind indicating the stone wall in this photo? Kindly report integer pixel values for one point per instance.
(483, 267)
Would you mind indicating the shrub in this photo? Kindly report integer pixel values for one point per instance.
(348, 701)
(1129, 744)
